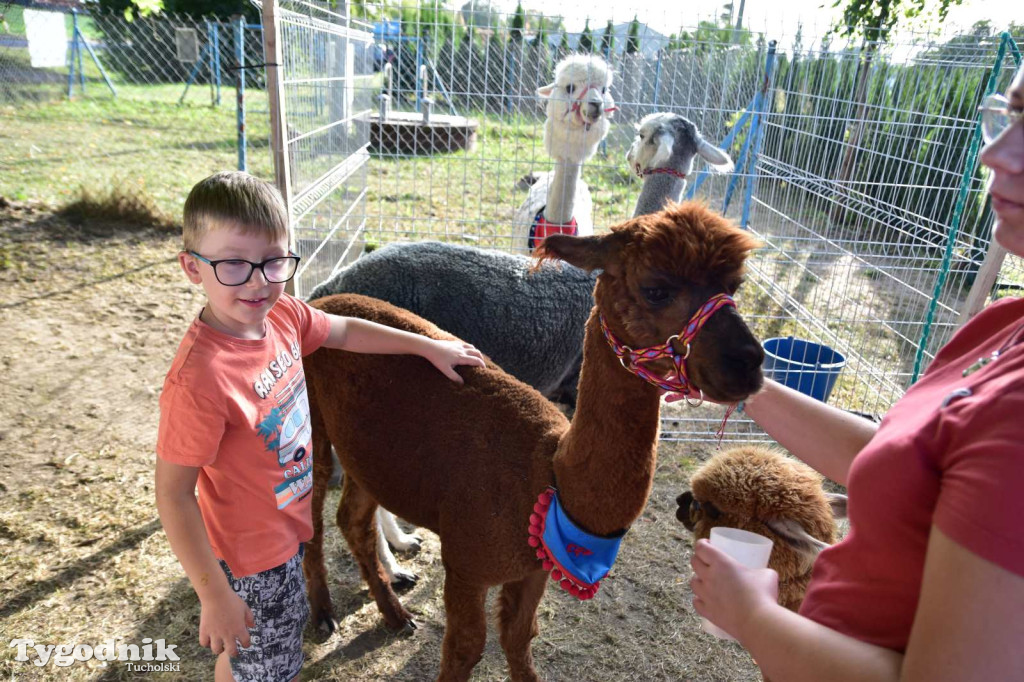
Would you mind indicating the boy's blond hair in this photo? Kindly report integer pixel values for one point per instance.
(233, 199)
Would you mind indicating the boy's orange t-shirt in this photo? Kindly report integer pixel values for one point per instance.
(237, 408)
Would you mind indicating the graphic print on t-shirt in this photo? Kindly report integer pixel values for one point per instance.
(287, 433)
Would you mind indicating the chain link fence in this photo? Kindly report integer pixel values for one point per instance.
(855, 168)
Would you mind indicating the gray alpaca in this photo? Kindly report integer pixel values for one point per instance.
(662, 154)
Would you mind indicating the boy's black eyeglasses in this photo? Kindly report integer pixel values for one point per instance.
(234, 272)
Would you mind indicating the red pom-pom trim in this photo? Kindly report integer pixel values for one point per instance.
(566, 581)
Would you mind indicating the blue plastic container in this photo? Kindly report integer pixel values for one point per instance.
(806, 366)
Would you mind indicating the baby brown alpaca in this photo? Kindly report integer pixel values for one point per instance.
(474, 458)
(763, 491)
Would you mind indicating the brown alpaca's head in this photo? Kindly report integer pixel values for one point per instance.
(761, 490)
(658, 270)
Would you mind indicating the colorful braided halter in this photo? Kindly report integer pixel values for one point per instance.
(634, 360)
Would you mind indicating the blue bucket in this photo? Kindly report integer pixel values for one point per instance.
(808, 367)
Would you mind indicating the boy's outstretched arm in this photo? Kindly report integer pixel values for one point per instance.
(361, 336)
(224, 616)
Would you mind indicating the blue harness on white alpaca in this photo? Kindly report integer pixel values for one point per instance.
(578, 560)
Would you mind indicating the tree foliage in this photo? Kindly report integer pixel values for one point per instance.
(586, 43)
(875, 18)
(633, 38)
(480, 14)
(608, 40)
(540, 39)
(199, 9)
(563, 46)
(710, 36)
(516, 25)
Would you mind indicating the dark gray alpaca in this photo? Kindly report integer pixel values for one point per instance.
(529, 324)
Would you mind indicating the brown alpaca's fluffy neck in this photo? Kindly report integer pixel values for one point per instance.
(604, 466)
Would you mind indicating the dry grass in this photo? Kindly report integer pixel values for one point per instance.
(90, 326)
(115, 207)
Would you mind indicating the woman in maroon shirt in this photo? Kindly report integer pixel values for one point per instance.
(929, 583)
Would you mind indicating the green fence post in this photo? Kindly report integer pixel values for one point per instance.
(958, 212)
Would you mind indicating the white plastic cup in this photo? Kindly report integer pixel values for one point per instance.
(750, 549)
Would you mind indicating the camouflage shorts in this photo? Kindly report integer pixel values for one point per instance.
(277, 598)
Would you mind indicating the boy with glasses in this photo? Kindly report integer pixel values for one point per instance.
(234, 418)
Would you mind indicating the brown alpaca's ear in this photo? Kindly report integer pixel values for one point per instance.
(796, 536)
(838, 504)
(586, 253)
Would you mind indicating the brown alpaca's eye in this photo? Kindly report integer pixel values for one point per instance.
(657, 295)
(711, 511)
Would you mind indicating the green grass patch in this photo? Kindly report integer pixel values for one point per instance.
(140, 142)
(470, 196)
(13, 22)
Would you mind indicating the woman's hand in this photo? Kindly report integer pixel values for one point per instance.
(223, 619)
(446, 355)
(728, 593)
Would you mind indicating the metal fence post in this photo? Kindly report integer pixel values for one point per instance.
(756, 130)
(240, 91)
(71, 54)
(657, 80)
(278, 129)
(970, 165)
(419, 62)
(216, 62)
(988, 273)
(78, 51)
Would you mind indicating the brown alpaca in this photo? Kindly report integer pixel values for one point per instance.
(474, 458)
(763, 491)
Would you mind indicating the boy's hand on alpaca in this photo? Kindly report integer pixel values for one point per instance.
(728, 593)
(446, 355)
(225, 618)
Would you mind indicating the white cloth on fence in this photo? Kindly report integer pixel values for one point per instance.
(47, 38)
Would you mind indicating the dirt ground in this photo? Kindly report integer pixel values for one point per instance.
(91, 316)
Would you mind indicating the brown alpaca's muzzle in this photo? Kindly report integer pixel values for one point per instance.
(725, 362)
(691, 511)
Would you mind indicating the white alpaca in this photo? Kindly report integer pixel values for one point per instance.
(578, 105)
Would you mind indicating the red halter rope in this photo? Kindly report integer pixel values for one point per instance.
(577, 103)
(665, 171)
(633, 360)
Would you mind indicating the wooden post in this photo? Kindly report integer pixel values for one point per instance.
(983, 282)
(278, 130)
